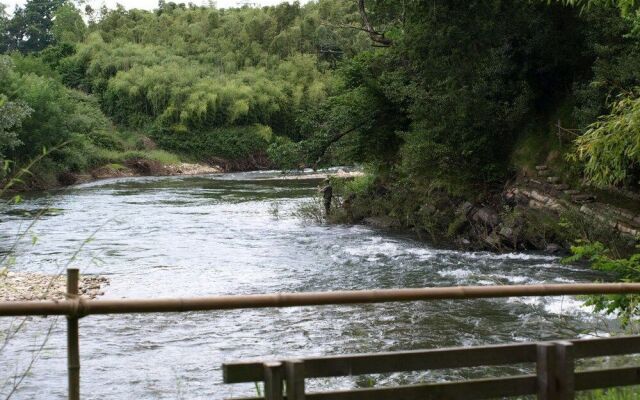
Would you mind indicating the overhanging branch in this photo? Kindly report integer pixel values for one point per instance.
(376, 36)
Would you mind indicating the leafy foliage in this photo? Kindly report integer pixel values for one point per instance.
(30, 29)
(611, 146)
(626, 269)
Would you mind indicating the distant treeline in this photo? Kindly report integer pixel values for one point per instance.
(458, 94)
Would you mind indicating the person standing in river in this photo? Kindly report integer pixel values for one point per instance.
(327, 195)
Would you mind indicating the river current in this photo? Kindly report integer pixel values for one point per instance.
(241, 234)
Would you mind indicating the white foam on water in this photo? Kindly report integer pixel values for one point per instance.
(511, 256)
(377, 246)
(557, 305)
(458, 273)
(517, 279)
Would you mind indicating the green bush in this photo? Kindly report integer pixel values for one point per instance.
(230, 143)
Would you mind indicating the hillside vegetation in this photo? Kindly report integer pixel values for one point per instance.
(453, 96)
(207, 84)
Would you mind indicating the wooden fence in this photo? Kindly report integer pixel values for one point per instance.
(555, 376)
(75, 307)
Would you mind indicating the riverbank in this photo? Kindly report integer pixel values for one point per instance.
(23, 286)
(537, 211)
(138, 167)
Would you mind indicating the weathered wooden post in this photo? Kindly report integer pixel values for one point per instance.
(294, 372)
(273, 376)
(73, 345)
(565, 367)
(546, 371)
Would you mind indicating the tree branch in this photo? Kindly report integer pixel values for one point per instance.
(367, 27)
(333, 140)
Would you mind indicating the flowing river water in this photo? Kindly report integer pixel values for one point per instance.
(241, 234)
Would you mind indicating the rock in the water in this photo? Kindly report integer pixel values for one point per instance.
(553, 179)
(553, 248)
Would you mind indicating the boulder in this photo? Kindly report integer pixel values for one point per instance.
(507, 233)
(583, 198)
(487, 216)
(382, 222)
(553, 248)
(493, 241)
(464, 208)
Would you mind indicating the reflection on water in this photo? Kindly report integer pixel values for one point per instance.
(214, 235)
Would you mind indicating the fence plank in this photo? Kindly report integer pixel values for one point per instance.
(273, 376)
(371, 363)
(606, 378)
(546, 371)
(606, 346)
(565, 365)
(476, 389)
(238, 372)
(295, 374)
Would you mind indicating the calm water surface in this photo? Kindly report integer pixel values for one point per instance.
(239, 234)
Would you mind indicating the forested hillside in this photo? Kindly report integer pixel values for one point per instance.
(210, 85)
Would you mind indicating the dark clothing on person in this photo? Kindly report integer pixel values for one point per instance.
(327, 195)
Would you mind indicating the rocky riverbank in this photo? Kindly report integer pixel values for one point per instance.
(535, 212)
(24, 286)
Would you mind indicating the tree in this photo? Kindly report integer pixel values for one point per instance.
(11, 113)
(30, 29)
(68, 26)
(11, 117)
(4, 26)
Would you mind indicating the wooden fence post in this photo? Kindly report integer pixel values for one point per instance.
(546, 371)
(294, 370)
(565, 367)
(273, 376)
(73, 344)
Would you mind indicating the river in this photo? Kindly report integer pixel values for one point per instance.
(240, 234)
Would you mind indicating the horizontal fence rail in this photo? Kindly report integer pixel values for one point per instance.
(81, 307)
(75, 307)
(555, 371)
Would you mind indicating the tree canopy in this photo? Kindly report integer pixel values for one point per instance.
(439, 90)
